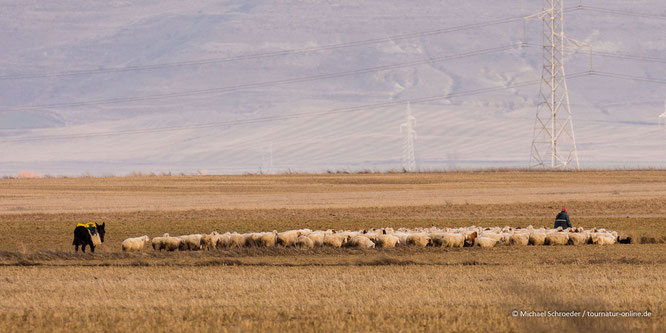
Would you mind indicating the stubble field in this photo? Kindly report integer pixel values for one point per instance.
(46, 287)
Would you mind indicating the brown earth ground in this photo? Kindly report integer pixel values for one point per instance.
(46, 287)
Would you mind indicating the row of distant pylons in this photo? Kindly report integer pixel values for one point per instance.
(553, 141)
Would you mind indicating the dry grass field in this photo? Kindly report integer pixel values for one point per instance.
(47, 287)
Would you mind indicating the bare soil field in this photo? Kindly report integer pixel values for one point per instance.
(45, 286)
(71, 195)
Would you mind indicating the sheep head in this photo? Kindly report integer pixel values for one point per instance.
(469, 238)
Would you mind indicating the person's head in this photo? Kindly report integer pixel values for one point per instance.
(564, 210)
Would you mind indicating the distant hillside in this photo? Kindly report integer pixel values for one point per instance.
(143, 68)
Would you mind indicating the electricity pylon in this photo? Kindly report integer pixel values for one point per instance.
(554, 142)
(408, 161)
(267, 160)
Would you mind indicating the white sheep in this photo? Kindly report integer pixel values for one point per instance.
(386, 241)
(214, 239)
(491, 234)
(158, 242)
(237, 240)
(402, 236)
(268, 239)
(254, 239)
(437, 238)
(578, 238)
(317, 238)
(223, 240)
(361, 242)
(421, 240)
(304, 242)
(519, 239)
(382, 237)
(447, 239)
(335, 240)
(537, 238)
(171, 243)
(557, 238)
(134, 244)
(190, 242)
(485, 242)
(288, 238)
(371, 235)
(304, 232)
(603, 238)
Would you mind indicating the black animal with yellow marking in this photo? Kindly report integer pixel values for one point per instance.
(89, 234)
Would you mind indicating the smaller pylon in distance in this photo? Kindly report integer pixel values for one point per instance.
(408, 160)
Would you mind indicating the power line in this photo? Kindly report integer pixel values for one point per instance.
(629, 56)
(323, 113)
(620, 12)
(608, 54)
(334, 111)
(282, 117)
(261, 55)
(627, 77)
(258, 84)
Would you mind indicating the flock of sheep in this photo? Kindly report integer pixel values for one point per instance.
(380, 238)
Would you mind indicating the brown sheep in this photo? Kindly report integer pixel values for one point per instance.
(207, 242)
(469, 238)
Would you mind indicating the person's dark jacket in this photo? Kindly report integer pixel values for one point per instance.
(562, 220)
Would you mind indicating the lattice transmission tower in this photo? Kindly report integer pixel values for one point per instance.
(408, 160)
(267, 160)
(554, 142)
